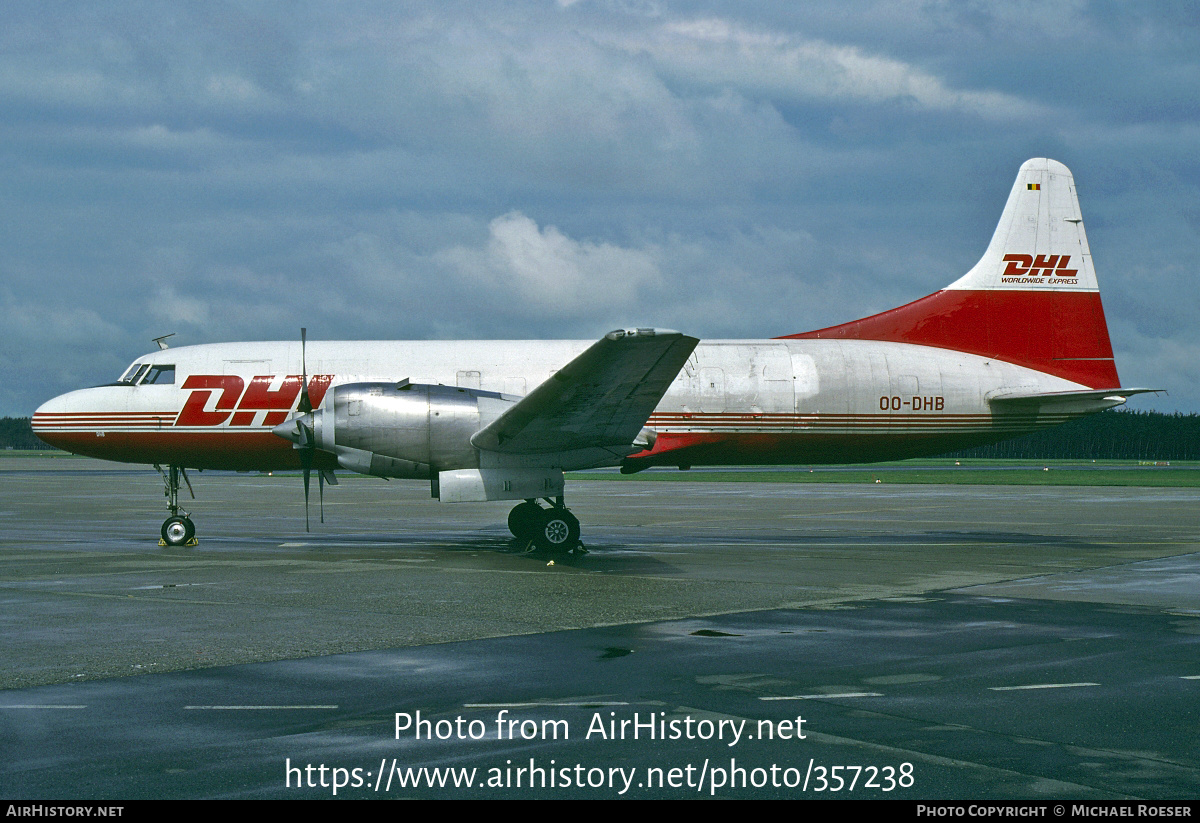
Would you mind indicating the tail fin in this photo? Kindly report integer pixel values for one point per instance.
(1031, 300)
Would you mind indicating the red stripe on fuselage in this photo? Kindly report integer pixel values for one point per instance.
(231, 449)
(1057, 332)
(837, 441)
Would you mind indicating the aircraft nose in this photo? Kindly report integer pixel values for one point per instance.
(80, 421)
(50, 418)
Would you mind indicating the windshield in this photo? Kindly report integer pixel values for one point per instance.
(134, 373)
(145, 373)
(162, 374)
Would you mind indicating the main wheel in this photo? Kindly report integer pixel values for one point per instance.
(523, 520)
(558, 530)
(177, 531)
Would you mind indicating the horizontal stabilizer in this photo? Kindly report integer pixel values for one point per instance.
(1082, 402)
(601, 398)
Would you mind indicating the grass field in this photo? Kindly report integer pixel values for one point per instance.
(38, 453)
(970, 472)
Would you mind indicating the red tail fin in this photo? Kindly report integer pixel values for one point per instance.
(1031, 300)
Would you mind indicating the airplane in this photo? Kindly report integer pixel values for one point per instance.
(1016, 344)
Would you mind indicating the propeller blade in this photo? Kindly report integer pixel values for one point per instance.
(307, 448)
(321, 492)
(305, 405)
(300, 432)
(306, 462)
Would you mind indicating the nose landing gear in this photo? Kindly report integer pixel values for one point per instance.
(178, 529)
(552, 529)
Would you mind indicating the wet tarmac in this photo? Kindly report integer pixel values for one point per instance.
(938, 642)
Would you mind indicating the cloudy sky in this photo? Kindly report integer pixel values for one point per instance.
(233, 171)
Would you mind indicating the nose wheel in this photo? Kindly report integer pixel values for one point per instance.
(552, 529)
(178, 529)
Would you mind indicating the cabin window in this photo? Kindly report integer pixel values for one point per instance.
(160, 374)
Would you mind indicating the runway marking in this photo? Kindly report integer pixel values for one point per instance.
(824, 696)
(1039, 686)
(40, 706)
(97, 595)
(173, 586)
(365, 544)
(252, 708)
(586, 703)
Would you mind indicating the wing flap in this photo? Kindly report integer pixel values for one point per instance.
(601, 398)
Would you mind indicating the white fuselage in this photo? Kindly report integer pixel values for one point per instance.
(734, 401)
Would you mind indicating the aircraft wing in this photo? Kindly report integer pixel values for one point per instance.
(601, 398)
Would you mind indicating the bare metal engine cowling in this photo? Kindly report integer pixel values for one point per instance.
(404, 429)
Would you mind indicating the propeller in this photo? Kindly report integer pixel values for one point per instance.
(299, 430)
(306, 442)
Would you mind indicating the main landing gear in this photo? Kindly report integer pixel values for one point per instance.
(552, 529)
(178, 529)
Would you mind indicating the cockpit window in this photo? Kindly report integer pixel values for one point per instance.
(160, 374)
(134, 373)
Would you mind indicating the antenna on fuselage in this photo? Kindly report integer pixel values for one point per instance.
(162, 341)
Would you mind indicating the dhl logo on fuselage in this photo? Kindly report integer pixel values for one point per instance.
(239, 404)
(1027, 266)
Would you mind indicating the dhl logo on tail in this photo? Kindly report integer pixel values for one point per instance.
(1042, 265)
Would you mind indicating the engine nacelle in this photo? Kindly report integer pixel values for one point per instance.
(404, 429)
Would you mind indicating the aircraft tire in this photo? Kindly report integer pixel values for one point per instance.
(177, 531)
(523, 519)
(558, 530)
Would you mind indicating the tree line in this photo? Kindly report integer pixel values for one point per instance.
(1110, 435)
(16, 434)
